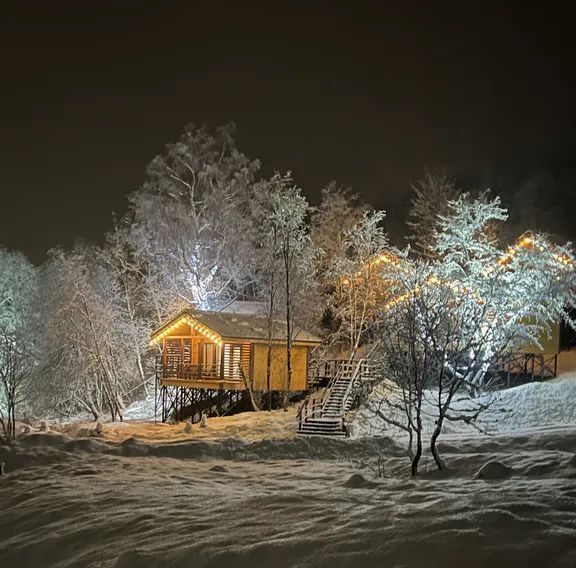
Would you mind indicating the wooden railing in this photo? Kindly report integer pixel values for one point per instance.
(518, 368)
(193, 372)
(310, 408)
(361, 374)
(321, 372)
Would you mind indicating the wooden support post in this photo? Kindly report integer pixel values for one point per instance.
(222, 349)
(555, 365)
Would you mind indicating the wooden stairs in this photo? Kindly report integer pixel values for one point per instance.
(326, 415)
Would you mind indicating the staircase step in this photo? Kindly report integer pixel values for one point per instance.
(327, 420)
(306, 433)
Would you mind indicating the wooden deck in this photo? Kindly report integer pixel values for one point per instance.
(207, 383)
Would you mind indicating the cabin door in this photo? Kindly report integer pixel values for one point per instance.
(210, 359)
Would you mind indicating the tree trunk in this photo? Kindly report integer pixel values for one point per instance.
(288, 321)
(433, 448)
(417, 455)
(269, 350)
(248, 385)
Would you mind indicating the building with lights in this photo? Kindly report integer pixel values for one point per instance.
(209, 358)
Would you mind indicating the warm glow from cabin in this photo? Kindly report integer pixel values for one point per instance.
(528, 241)
(194, 324)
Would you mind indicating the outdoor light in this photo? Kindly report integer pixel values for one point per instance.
(197, 326)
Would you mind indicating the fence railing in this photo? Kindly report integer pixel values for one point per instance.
(190, 372)
(517, 368)
(321, 372)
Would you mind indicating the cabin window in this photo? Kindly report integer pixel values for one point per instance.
(236, 355)
(177, 354)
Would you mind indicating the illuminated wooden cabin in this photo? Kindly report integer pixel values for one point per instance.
(208, 357)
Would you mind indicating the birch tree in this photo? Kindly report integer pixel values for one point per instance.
(355, 271)
(191, 222)
(268, 264)
(285, 257)
(18, 289)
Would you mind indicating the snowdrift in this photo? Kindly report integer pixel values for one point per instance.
(142, 495)
(531, 406)
(310, 502)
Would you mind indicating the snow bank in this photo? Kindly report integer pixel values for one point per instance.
(534, 405)
(141, 409)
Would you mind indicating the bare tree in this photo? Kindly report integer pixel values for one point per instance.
(18, 290)
(191, 221)
(358, 288)
(408, 359)
(429, 201)
(339, 212)
(268, 263)
(127, 267)
(16, 365)
(88, 337)
(285, 258)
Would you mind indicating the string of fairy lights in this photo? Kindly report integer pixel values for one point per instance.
(194, 324)
(528, 241)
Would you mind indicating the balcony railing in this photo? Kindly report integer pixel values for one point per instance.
(193, 372)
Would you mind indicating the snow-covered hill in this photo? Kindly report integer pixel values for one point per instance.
(530, 406)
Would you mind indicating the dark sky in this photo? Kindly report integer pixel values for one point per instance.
(91, 91)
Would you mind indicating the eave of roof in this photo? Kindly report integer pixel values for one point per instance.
(221, 326)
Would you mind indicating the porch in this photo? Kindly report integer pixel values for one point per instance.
(194, 361)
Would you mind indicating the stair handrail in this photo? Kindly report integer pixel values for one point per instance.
(343, 367)
(350, 386)
(310, 407)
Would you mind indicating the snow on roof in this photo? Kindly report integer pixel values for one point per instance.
(239, 326)
(244, 307)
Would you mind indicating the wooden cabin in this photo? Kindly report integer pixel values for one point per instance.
(221, 351)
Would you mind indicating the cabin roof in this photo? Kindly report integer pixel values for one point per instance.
(238, 326)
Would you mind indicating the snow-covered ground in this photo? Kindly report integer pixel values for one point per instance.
(533, 405)
(246, 492)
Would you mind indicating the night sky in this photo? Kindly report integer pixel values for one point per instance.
(91, 91)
